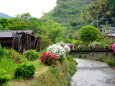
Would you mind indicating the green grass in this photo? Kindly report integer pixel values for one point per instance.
(37, 63)
(11, 59)
(72, 64)
(109, 61)
(8, 65)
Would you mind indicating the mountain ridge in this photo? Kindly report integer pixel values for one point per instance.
(3, 15)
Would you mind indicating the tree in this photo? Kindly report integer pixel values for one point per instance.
(18, 25)
(3, 28)
(53, 30)
(89, 33)
(24, 16)
(102, 11)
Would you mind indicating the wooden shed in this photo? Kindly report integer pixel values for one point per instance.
(20, 40)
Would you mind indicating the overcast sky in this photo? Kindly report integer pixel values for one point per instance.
(35, 7)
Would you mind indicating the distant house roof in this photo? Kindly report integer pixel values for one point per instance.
(10, 33)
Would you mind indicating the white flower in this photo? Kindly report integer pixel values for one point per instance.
(67, 48)
(57, 49)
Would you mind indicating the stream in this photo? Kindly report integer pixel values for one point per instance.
(93, 73)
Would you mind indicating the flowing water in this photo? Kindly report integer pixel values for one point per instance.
(93, 73)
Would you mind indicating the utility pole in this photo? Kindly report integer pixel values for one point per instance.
(97, 20)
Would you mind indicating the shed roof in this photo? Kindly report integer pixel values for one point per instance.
(10, 33)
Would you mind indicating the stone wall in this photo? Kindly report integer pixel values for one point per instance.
(94, 55)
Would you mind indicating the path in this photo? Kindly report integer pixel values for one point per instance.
(93, 73)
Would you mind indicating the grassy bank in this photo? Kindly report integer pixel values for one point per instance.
(59, 75)
(55, 75)
(108, 58)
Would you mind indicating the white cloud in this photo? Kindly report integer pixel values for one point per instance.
(35, 7)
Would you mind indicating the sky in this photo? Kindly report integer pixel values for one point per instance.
(35, 7)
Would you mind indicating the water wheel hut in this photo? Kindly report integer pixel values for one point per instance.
(20, 40)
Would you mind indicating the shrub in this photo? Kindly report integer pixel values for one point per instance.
(49, 58)
(58, 50)
(4, 77)
(110, 62)
(71, 41)
(113, 47)
(101, 59)
(95, 45)
(67, 40)
(15, 56)
(89, 33)
(31, 55)
(80, 47)
(66, 46)
(24, 71)
(2, 52)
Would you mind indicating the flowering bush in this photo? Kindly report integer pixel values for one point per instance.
(79, 47)
(95, 45)
(69, 45)
(49, 58)
(66, 47)
(58, 50)
(113, 47)
(98, 45)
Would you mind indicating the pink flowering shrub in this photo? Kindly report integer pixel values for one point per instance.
(113, 47)
(69, 45)
(49, 58)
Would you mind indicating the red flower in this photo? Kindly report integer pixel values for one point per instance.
(98, 47)
(49, 58)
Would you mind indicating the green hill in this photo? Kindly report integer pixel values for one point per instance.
(69, 12)
(77, 13)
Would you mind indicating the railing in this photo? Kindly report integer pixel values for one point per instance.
(77, 51)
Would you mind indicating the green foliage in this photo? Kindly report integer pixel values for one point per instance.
(71, 41)
(31, 55)
(24, 16)
(24, 71)
(101, 11)
(2, 52)
(69, 13)
(53, 30)
(110, 62)
(89, 33)
(72, 65)
(3, 28)
(18, 25)
(4, 77)
(15, 56)
(101, 59)
(4, 22)
(46, 41)
(8, 65)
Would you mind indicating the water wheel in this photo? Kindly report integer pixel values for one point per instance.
(20, 42)
(36, 43)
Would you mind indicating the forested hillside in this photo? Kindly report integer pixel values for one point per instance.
(76, 13)
(69, 12)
